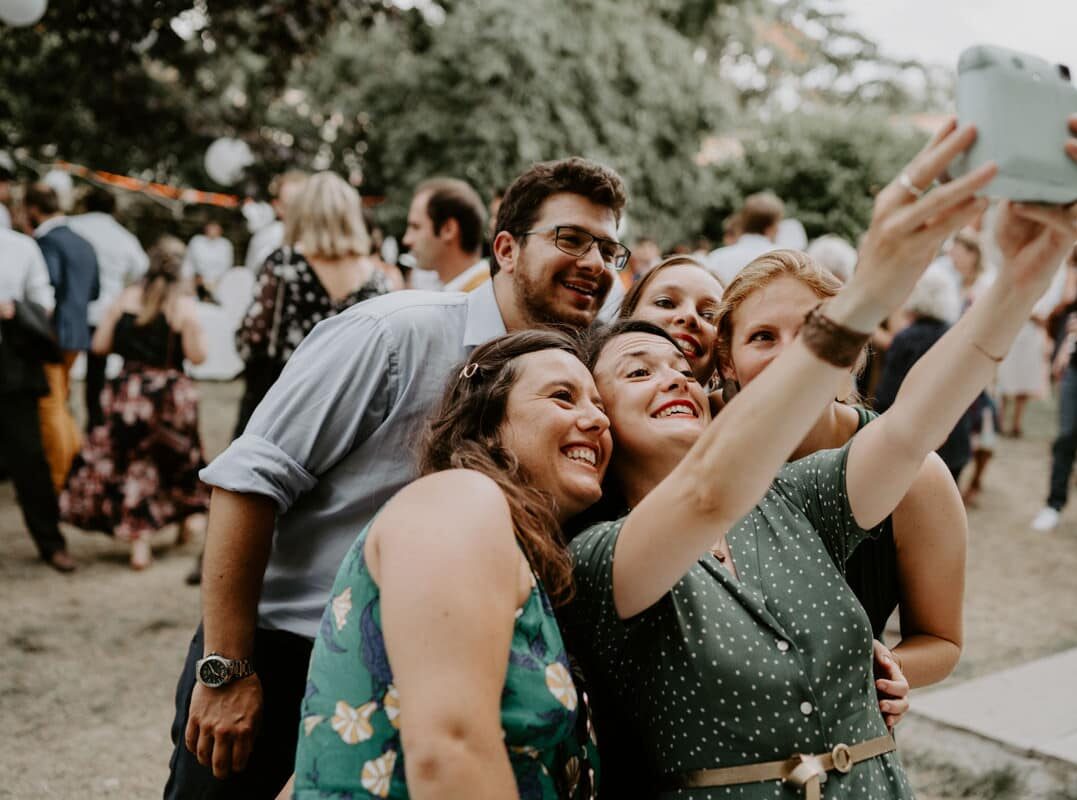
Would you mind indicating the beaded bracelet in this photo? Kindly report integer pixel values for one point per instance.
(830, 342)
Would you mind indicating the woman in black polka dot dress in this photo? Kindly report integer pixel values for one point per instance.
(716, 632)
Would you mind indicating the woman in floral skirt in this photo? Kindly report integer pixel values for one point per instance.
(138, 472)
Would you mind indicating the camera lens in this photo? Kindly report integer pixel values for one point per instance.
(1064, 71)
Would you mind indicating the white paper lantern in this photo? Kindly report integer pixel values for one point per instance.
(226, 159)
(20, 13)
(258, 215)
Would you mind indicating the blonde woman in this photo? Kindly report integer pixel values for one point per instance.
(323, 268)
(138, 471)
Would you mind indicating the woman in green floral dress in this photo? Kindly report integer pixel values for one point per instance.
(439, 670)
(718, 637)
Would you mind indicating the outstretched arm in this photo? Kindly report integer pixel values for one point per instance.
(735, 460)
(886, 457)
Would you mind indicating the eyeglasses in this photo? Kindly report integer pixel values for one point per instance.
(578, 242)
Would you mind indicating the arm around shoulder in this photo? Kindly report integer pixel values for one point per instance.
(445, 557)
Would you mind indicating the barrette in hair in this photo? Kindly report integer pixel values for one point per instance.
(470, 370)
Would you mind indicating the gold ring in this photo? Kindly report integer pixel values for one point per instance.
(906, 183)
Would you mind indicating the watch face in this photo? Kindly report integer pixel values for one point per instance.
(213, 672)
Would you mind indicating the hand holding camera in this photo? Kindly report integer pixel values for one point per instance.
(1025, 112)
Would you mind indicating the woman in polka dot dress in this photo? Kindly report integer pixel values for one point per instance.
(716, 631)
(768, 301)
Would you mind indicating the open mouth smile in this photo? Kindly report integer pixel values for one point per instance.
(582, 454)
(690, 346)
(580, 287)
(676, 408)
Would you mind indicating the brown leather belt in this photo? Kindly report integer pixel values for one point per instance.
(802, 771)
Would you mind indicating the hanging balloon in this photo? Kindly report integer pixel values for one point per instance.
(20, 13)
(226, 159)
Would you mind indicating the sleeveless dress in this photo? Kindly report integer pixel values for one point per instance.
(349, 737)
(138, 471)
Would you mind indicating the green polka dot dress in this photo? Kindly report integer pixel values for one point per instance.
(720, 673)
(349, 738)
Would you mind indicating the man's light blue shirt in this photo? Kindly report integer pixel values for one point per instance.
(337, 436)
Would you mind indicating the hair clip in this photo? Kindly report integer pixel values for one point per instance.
(470, 370)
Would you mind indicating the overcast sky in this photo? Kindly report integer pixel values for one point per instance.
(938, 30)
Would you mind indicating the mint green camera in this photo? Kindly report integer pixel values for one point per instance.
(1019, 104)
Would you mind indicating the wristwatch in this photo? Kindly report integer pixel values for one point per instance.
(215, 671)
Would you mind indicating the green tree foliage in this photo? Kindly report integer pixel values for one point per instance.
(500, 84)
(389, 92)
(826, 166)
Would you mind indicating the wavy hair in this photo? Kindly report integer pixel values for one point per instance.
(465, 433)
(161, 285)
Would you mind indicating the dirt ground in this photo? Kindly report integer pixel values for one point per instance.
(90, 660)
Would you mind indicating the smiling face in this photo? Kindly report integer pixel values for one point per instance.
(683, 301)
(555, 426)
(765, 323)
(656, 407)
(551, 286)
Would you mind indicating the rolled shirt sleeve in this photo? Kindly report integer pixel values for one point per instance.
(335, 391)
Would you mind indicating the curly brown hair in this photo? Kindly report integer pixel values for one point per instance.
(465, 433)
(524, 198)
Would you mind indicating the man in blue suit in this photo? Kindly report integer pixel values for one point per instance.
(72, 266)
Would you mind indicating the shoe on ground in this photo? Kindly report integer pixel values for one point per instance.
(141, 554)
(61, 561)
(194, 577)
(1046, 520)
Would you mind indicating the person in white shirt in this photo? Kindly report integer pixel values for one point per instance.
(267, 238)
(759, 220)
(121, 261)
(446, 221)
(209, 256)
(24, 282)
(5, 198)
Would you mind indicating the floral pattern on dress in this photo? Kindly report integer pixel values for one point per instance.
(138, 472)
(289, 301)
(353, 724)
(351, 683)
(377, 774)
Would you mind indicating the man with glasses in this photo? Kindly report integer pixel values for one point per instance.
(331, 443)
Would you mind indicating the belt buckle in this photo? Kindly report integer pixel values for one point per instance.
(843, 758)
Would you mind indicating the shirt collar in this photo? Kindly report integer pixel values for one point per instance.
(48, 225)
(455, 284)
(484, 320)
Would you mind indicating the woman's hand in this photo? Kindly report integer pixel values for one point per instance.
(909, 223)
(1034, 241)
(890, 685)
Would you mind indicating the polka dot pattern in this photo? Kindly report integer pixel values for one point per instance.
(722, 672)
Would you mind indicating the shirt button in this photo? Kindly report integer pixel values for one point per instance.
(806, 708)
(783, 645)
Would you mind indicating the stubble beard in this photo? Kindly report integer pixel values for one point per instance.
(537, 307)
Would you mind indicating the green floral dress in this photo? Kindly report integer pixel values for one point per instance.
(722, 672)
(349, 738)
